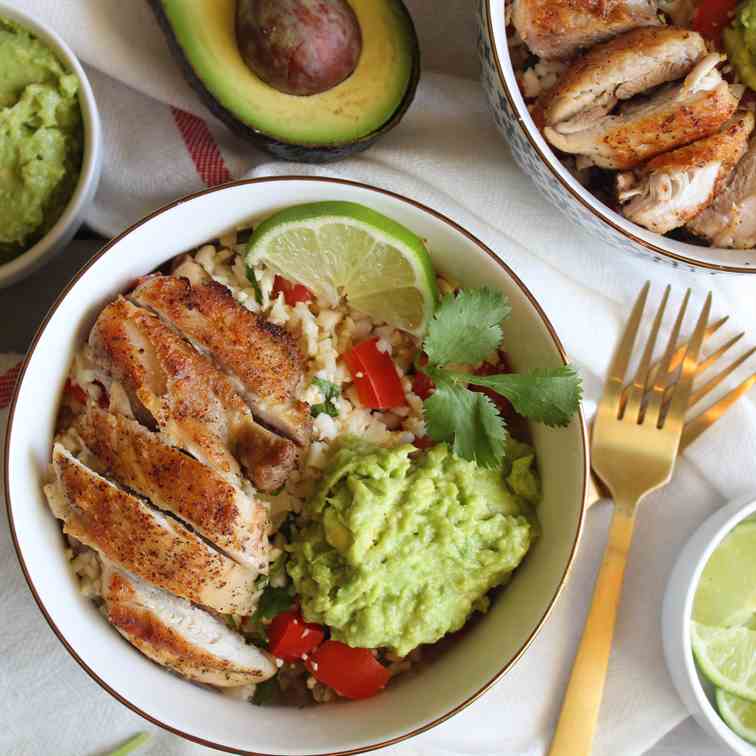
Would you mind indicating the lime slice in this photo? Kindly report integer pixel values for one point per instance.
(738, 714)
(727, 656)
(342, 248)
(726, 593)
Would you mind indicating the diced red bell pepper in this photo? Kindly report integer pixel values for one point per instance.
(424, 442)
(290, 637)
(422, 385)
(712, 16)
(374, 376)
(352, 672)
(502, 366)
(293, 292)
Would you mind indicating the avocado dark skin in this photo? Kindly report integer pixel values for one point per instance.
(300, 47)
(283, 150)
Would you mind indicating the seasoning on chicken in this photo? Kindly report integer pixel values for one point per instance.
(730, 221)
(676, 115)
(620, 69)
(559, 28)
(177, 635)
(144, 541)
(262, 359)
(193, 404)
(137, 459)
(669, 190)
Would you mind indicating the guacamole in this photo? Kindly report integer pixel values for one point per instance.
(395, 552)
(40, 139)
(740, 42)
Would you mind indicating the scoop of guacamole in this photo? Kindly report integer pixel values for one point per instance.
(40, 139)
(395, 552)
(740, 42)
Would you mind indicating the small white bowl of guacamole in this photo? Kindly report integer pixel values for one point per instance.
(50, 144)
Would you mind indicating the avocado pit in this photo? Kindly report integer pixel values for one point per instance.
(299, 47)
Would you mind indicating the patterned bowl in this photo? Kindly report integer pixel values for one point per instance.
(536, 158)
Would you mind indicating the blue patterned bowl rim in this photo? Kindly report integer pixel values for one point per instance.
(679, 253)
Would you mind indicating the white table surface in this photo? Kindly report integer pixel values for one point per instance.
(22, 307)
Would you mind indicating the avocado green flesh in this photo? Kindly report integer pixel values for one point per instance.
(396, 552)
(41, 139)
(205, 32)
(740, 43)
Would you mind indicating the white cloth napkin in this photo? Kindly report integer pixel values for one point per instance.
(446, 153)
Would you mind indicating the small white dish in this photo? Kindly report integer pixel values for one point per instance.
(72, 217)
(488, 649)
(695, 691)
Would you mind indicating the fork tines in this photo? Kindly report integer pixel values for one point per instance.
(660, 391)
(663, 374)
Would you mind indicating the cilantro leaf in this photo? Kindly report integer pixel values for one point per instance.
(330, 391)
(467, 420)
(272, 602)
(255, 284)
(466, 328)
(548, 396)
(266, 692)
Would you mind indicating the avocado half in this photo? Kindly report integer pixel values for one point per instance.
(319, 128)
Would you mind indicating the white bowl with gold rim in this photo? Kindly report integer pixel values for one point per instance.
(462, 673)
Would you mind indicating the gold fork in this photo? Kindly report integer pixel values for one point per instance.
(706, 418)
(634, 447)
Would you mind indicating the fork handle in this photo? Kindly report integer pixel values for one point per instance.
(580, 708)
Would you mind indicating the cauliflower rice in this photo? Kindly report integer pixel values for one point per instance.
(323, 334)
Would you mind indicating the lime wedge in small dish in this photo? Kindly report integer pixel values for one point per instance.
(345, 249)
(726, 593)
(727, 656)
(738, 714)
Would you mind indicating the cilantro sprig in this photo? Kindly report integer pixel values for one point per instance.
(466, 329)
(330, 392)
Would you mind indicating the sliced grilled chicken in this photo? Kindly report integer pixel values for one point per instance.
(177, 635)
(669, 190)
(144, 541)
(261, 358)
(676, 115)
(730, 221)
(559, 28)
(134, 457)
(620, 69)
(194, 405)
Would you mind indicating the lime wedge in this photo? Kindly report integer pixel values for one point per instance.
(726, 593)
(738, 714)
(342, 248)
(727, 656)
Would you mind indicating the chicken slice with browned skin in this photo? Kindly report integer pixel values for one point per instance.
(669, 190)
(144, 541)
(137, 459)
(177, 635)
(620, 69)
(261, 358)
(559, 28)
(730, 221)
(195, 406)
(676, 115)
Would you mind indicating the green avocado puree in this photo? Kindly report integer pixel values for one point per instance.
(394, 552)
(740, 43)
(40, 139)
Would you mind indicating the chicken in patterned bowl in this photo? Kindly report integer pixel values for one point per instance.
(643, 113)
